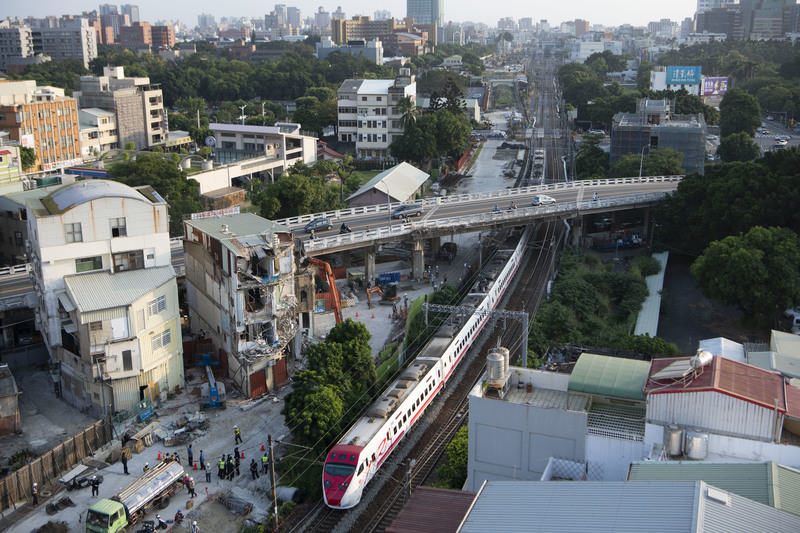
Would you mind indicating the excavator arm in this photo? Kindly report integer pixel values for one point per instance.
(329, 278)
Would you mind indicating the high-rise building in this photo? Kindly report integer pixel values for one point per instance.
(15, 42)
(108, 9)
(720, 20)
(137, 35)
(708, 5)
(294, 17)
(426, 11)
(162, 38)
(581, 27)
(73, 39)
(322, 19)
(131, 11)
(382, 14)
(206, 21)
(44, 119)
(339, 14)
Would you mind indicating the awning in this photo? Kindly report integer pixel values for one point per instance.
(69, 326)
(66, 303)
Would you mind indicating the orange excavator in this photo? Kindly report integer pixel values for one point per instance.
(329, 278)
(388, 293)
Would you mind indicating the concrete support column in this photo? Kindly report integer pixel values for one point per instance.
(369, 264)
(417, 260)
(646, 223)
(579, 231)
(347, 258)
(436, 243)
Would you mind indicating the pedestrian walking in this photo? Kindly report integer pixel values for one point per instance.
(177, 458)
(437, 271)
(202, 461)
(195, 529)
(229, 468)
(208, 472)
(264, 464)
(190, 455)
(237, 435)
(236, 462)
(190, 487)
(95, 486)
(253, 469)
(35, 493)
(236, 452)
(221, 465)
(124, 459)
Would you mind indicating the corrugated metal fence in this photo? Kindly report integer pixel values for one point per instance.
(15, 489)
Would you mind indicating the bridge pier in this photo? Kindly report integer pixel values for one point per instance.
(417, 260)
(646, 223)
(369, 264)
(436, 243)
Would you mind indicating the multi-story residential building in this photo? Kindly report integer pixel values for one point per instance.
(137, 35)
(206, 21)
(162, 38)
(426, 11)
(721, 20)
(15, 42)
(655, 126)
(663, 29)
(282, 144)
(73, 38)
(137, 103)
(240, 285)
(322, 19)
(581, 26)
(99, 132)
(368, 114)
(372, 50)
(44, 119)
(294, 17)
(404, 44)
(359, 27)
(130, 10)
(108, 300)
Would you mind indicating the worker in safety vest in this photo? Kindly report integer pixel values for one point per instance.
(146, 467)
(237, 435)
(264, 463)
(221, 465)
(35, 493)
(190, 487)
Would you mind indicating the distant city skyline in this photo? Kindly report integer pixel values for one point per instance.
(608, 13)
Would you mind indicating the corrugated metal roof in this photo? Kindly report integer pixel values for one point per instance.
(609, 376)
(8, 386)
(751, 480)
(375, 86)
(432, 511)
(788, 365)
(244, 230)
(647, 321)
(617, 507)
(787, 492)
(105, 290)
(400, 182)
(785, 343)
(740, 380)
(85, 191)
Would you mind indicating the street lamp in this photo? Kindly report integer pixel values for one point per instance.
(388, 202)
(641, 160)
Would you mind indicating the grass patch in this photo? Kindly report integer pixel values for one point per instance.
(502, 96)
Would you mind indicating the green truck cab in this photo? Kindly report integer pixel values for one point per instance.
(128, 506)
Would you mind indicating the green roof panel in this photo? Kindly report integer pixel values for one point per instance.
(609, 376)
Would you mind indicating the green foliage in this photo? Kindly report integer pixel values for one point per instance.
(580, 83)
(130, 145)
(647, 265)
(409, 111)
(433, 135)
(593, 304)
(65, 74)
(663, 162)
(182, 194)
(755, 271)
(502, 96)
(605, 62)
(302, 189)
(739, 112)
(730, 199)
(591, 162)
(27, 157)
(436, 81)
(453, 474)
(737, 147)
(416, 333)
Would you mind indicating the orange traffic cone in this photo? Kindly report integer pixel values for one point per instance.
(390, 315)
(159, 456)
(373, 315)
(262, 446)
(356, 314)
(242, 455)
(195, 465)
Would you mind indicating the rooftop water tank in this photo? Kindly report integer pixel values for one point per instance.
(702, 358)
(696, 445)
(494, 368)
(673, 440)
(505, 353)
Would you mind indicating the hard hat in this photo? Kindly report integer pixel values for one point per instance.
(194, 523)
(191, 479)
(147, 464)
(158, 516)
(35, 484)
(94, 477)
(235, 427)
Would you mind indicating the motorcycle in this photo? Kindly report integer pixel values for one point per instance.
(345, 229)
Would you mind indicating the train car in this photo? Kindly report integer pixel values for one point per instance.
(354, 460)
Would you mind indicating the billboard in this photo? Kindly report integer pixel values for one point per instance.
(715, 86)
(683, 75)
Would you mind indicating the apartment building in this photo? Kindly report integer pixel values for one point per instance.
(41, 118)
(108, 299)
(368, 114)
(15, 42)
(65, 38)
(162, 38)
(99, 132)
(240, 286)
(137, 103)
(137, 35)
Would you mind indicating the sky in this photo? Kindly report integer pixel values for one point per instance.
(606, 12)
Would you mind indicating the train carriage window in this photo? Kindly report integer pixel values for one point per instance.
(360, 469)
(353, 457)
(373, 455)
(333, 455)
(395, 431)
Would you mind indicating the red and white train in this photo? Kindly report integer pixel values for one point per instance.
(354, 460)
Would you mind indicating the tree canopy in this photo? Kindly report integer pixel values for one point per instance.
(663, 162)
(739, 112)
(437, 134)
(302, 189)
(737, 147)
(756, 271)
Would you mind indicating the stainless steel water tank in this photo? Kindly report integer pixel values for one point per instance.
(701, 359)
(696, 445)
(673, 440)
(494, 367)
(504, 352)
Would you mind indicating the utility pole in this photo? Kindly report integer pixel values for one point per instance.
(408, 479)
(272, 479)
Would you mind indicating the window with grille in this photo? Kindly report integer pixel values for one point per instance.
(96, 326)
(73, 231)
(159, 305)
(161, 340)
(87, 264)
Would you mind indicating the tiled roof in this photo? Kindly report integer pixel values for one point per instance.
(740, 380)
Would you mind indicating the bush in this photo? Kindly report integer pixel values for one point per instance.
(647, 265)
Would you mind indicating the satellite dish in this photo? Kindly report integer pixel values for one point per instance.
(210, 141)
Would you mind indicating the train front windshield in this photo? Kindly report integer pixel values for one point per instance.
(339, 469)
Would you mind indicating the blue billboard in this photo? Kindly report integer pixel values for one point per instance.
(683, 75)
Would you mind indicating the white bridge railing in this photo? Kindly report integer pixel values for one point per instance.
(469, 197)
